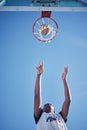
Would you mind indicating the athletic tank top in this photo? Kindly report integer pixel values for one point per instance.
(51, 121)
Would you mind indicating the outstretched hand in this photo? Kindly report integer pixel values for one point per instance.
(65, 73)
(40, 68)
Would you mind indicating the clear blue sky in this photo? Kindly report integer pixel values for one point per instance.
(20, 53)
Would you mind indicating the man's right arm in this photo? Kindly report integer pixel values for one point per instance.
(37, 93)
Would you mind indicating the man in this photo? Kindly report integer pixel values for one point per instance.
(46, 118)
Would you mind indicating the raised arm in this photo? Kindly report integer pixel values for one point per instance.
(66, 104)
(37, 93)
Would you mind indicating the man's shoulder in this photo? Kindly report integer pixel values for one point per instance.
(37, 118)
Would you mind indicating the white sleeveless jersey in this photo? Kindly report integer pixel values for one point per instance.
(51, 121)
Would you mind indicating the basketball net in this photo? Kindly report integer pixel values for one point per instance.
(45, 28)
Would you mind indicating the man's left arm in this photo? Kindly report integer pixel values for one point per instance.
(66, 104)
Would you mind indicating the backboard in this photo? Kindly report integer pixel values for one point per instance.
(43, 5)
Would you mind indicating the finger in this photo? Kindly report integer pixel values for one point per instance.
(66, 70)
(42, 63)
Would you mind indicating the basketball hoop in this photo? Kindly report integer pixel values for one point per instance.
(45, 28)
